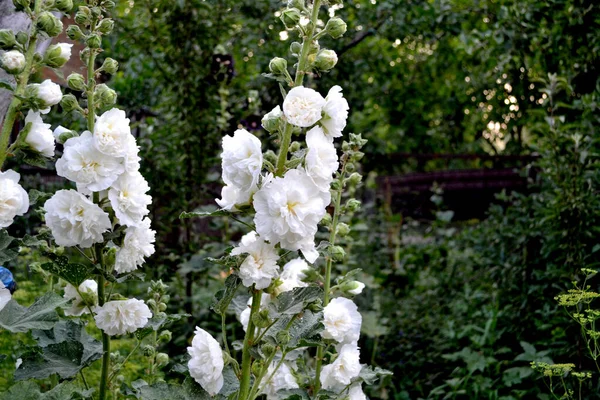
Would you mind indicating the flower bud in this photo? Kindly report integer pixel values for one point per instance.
(110, 66)
(295, 146)
(104, 96)
(74, 32)
(76, 81)
(20, 5)
(162, 359)
(257, 367)
(336, 184)
(165, 336)
(7, 39)
(283, 337)
(326, 220)
(272, 120)
(343, 229)
(268, 349)
(62, 134)
(336, 27)
(261, 319)
(64, 5)
(299, 4)
(354, 287)
(278, 66)
(69, 103)
(148, 350)
(120, 379)
(350, 167)
(49, 24)
(108, 5)
(352, 205)
(12, 61)
(151, 303)
(106, 26)
(315, 307)
(355, 178)
(295, 48)
(22, 38)
(290, 17)
(83, 16)
(337, 253)
(93, 41)
(326, 60)
(57, 55)
(162, 307)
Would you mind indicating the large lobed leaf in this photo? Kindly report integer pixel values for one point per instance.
(29, 390)
(40, 315)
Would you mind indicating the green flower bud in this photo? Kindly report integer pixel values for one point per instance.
(110, 66)
(76, 81)
(268, 349)
(261, 319)
(49, 24)
(326, 60)
(57, 55)
(64, 5)
(356, 155)
(110, 256)
(120, 379)
(257, 367)
(295, 48)
(350, 167)
(315, 307)
(357, 140)
(290, 17)
(336, 184)
(272, 120)
(283, 337)
(93, 41)
(295, 146)
(165, 336)
(148, 350)
(162, 359)
(151, 303)
(278, 66)
(7, 39)
(336, 27)
(343, 229)
(106, 26)
(270, 155)
(83, 16)
(326, 220)
(299, 4)
(69, 103)
(355, 178)
(352, 205)
(105, 96)
(108, 5)
(353, 287)
(22, 38)
(84, 55)
(21, 5)
(74, 33)
(337, 253)
(162, 307)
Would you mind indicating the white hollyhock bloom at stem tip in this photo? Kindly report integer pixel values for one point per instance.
(5, 296)
(260, 266)
(112, 133)
(74, 220)
(138, 244)
(39, 137)
(288, 210)
(337, 375)
(342, 321)
(292, 275)
(89, 289)
(321, 158)
(356, 392)
(13, 198)
(335, 113)
(49, 93)
(83, 164)
(282, 380)
(119, 317)
(302, 106)
(206, 364)
(241, 162)
(128, 198)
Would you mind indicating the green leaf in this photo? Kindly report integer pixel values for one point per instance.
(223, 297)
(8, 247)
(35, 196)
(294, 301)
(6, 85)
(202, 214)
(64, 350)
(75, 274)
(40, 315)
(293, 394)
(369, 375)
(189, 390)
(29, 390)
(306, 330)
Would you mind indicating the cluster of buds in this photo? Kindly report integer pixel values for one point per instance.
(158, 304)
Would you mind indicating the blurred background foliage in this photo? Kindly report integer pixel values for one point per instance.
(457, 308)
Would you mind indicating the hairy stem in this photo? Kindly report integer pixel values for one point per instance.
(248, 342)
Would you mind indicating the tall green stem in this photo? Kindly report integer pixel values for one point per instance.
(22, 80)
(248, 341)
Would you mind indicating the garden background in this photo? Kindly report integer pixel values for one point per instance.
(478, 209)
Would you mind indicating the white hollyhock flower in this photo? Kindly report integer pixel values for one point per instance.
(138, 244)
(335, 113)
(272, 119)
(356, 392)
(5, 296)
(339, 374)
(292, 275)
(112, 133)
(48, 93)
(282, 380)
(74, 220)
(89, 289)
(241, 162)
(83, 164)
(128, 198)
(206, 364)
(65, 51)
(132, 158)
(342, 321)
(13, 198)
(303, 106)
(122, 316)
(288, 210)
(244, 316)
(40, 137)
(321, 158)
(358, 287)
(12, 61)
(59, 130)
(261, 264)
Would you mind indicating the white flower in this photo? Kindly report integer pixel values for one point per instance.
(241, 163)
(272, 119)
(342, 321)
(122, 316)
(65, 51)
(261, 264)
(74, 220)
(59, 130)
(12, 61)
(49, 93)
(89, 289)
(129, 199)
(138, 244)
(288, 210)
(340, 373)
(206, 364)
(356, 392)
(358, 287)
(13, 198)
(112, 133)
(5, 296)
(132, 159)
(335, 113)
(321, 158)
(292, 275)
(18, 363)
(40, 137)
(83, 164)
(303, 106)
(245, 315)
(282, 380)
